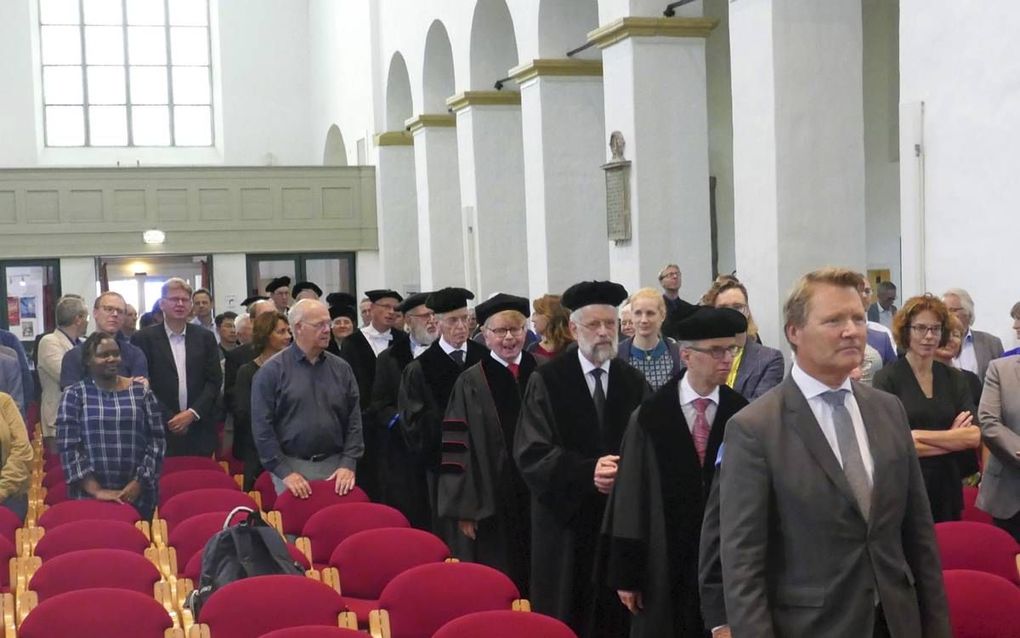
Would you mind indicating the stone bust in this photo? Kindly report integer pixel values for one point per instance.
(617, 145)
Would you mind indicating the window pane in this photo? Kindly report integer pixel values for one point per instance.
(61, 45)
(104, 45)
(65, 126)
(148, 85)
(106, 84)
(58, 11)
(189, 13)
(192, 126)
(151, 125)
(62, 85)
(189, 45)
(145, 12)
(104, 12)
(108, 125)
(147, 45)
(191, 85)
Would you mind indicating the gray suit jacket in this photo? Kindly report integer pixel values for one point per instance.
(874, 310)
(986, 348)
(999, 415)
(798, 557)
(761, 369)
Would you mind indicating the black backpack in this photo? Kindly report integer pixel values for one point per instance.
(250, 548)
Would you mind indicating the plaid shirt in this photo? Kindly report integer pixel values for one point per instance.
(113, 436)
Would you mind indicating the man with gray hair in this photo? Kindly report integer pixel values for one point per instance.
(72, 322)
(305, 409)
(108, 312)
(978, 348)
(670, 278)
(574, 412)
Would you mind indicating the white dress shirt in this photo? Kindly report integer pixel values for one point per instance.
(687, 396)
(589, 378)
(417, 348)
(447, 348)
(968, 358)
(813, 389)
(506, 363)
(177, 348)
(885, 316)
(378, 340)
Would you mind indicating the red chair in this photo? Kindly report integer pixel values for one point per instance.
(193, 568)
(311, 631)
(327, 528)
(190, 535)
(9, 524)
(188, 481)
(56, 493)
(97, 613)
(981, 605)
(235, 466)
(7, 552)
(369, 560)
(187, 504)
(416, 603)
(254, 606)
(264, 486)
(91, 509)
(53, 476)
(295, 511)
(970, 509)
(50, 461)
(91, 534)
(980, 547)
(505, 624)
(174, 464)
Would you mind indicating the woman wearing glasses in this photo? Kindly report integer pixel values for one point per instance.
(937, 399)
(653, 356)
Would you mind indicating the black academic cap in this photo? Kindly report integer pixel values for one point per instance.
(279, 282)
(500, 302)
(383, 293)
(587, 293)
(413, 301)
(449, 299)
(305, 285)
(710, 323)
(341, 299)
(344, 310)
(250, 300)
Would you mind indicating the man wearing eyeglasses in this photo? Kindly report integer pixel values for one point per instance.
(668, 455)
(185, 373)
(567, 442)
(479, 484)
(109, 312)
(670, 278)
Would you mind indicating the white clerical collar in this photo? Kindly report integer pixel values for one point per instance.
(516, 361)
(447, 348)
(688, 394)
(588, 366)
(811, 387)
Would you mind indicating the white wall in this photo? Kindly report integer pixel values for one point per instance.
(962, 60)
(720, 135)
(230, 281)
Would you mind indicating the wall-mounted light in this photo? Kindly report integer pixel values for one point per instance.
(153, 237)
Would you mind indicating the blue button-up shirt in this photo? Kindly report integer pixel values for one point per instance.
(132, 363)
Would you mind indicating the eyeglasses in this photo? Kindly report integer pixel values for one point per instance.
(718, 352)
(739, 307)
(593, 326)
(178, 301)
(922, 330)
(423, 315)
(113, 310)
(318, 326)
(390, 307)
(503, 332)
(667, 275)
(453, 321)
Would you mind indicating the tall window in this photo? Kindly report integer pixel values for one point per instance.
(126, 72)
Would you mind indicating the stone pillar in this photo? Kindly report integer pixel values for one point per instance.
(798, 145)
(562, 114)
(396, 203)
(491, 165)
(440, 223)
(654, 79)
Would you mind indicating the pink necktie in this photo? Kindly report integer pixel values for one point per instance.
(701, 428)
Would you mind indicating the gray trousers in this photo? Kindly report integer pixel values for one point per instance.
(312, 471)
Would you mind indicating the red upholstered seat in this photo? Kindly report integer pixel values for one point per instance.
(53, 476)
(234, 465)
(254, 606)
(90, 534)
(56, 493)
(981, 605)
(970, 509)
(87, 508)
(7, 552)
(9, 523)
(193, 502)
(91, 568)
(174, 464)
(328, 527)
(296, 511)
(190, 535)
(190, 480)
(310, 631)
(193, 568)
(50, 461)
(505, 624)
(97, 613)
(264, 486)
(978, 546)
(424, 598)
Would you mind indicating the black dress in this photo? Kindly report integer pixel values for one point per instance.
(244, 441)
(951, 395)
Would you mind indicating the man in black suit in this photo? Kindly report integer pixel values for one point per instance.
(184, 373)
(670, 278)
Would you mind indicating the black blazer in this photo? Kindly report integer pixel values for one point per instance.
(203, 369)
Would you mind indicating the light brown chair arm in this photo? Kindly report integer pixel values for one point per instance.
(198, 631)
(27, 601)
(9, 614)
(379, 623)
(347, 620)
(521, 604)
(255, 496)
(331, 576)
(305, 545)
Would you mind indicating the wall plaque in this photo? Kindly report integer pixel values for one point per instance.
(617, 190)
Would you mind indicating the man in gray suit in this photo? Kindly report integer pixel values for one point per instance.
(824, 520)
(978, 348)
(999, 414)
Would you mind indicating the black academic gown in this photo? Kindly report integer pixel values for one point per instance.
(652, 525)
(357, 351)
(402, 476)
(478, 480)
(556, 447)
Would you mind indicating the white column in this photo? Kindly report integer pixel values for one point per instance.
(492, 190)
(397, 207)
(440, 223)
(656, 96)
(562, 115)
(798, 145)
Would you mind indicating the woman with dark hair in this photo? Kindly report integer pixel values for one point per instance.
(937, 400)
(110, 432)
(552, 324)
(270, 334)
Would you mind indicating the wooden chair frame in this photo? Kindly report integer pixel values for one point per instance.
(379, 619)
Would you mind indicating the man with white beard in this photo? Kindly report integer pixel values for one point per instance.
(574, 413)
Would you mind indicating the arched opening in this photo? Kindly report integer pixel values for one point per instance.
(564, 25)
(398, 94)
(335, 152)
(437, 76)
(493, 44)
